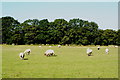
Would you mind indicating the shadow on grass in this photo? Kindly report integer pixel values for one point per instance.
(25, 59)
(90, 55)
(54, 56)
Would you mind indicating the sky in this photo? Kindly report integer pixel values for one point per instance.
(105, 14)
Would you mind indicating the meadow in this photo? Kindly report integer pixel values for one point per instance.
(70, 62)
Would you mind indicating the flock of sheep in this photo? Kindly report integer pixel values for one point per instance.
(22, 54)
(50, 52)
(89, 51)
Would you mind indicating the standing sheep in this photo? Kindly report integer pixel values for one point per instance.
(98, 47)
(106, 50)
(59, 46)
(89, 52)
(27, 51)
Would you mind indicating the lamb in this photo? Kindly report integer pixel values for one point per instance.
(27, 51)
(49, 52)
(106, 50)
(89, 52)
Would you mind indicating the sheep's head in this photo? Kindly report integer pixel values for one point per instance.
(28, 53)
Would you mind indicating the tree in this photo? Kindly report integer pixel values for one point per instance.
(76, 31)
(29, 29)
(118, 37)
(109, 37)
(0, 31)
(42, 36)
(59, 28)
(99, 37)
(9, 24)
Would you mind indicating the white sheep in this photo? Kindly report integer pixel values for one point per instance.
(89, 52)
(59, 46)
(106, 50)
(98, 47)
(27, 51)
(13, 44)
(116, 46)
(49, 52)
(21, 55)
(40, 46)
(50, 46)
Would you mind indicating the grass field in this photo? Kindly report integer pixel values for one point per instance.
(70, 62)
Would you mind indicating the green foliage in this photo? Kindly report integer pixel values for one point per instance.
(8, 28)
(118, 39)
(76, 31)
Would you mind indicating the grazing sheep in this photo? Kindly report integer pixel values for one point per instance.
(59, 46)
(49, 52)
(98, 47)
(21, 55)
(27, 51)
(106, 50)
(89, 52)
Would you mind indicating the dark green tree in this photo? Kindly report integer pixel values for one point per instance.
(42, 36)
(9, 24)
(76, 31)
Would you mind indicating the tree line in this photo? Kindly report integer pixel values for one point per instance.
(60, 31)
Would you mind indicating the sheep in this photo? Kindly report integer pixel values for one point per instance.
(116, 46)
(49, 52)
(59, 46)
(27, 51)
(106, 50)
(89, 52)
(50, 46)
(13, 44)
(21, 55)
(98, 47)
(40, 46)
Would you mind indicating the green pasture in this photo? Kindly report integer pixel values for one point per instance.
(70, 62)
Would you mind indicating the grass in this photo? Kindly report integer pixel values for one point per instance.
(70, 62)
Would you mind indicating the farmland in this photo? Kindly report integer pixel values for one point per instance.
(70, 62)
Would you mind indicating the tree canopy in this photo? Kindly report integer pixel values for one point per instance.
(60, 31)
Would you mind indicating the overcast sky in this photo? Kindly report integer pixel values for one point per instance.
(105, 14)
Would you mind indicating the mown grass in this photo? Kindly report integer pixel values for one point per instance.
(70, 62)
